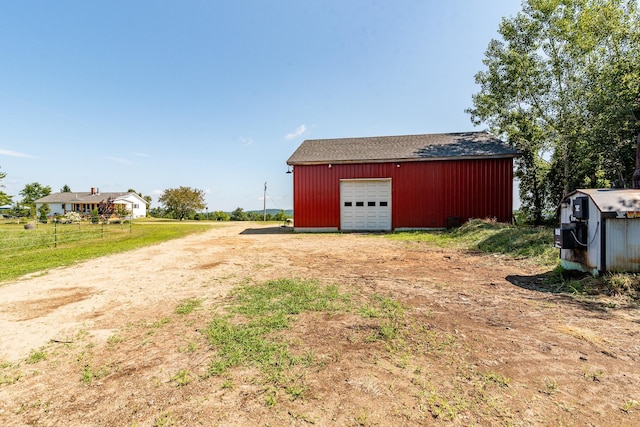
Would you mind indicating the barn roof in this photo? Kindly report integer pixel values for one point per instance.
(378, 149)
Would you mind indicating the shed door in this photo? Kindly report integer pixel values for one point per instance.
(365, 205)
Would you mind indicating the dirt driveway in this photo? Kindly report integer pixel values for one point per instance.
(491, 349)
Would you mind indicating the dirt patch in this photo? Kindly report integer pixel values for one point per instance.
(481, 343)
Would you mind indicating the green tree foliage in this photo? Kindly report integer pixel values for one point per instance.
(239, 215)
(280, 216)
(32, 192)
(255, 216)
(65, 189)
(43, 212)
(220, 216)
(182, 202)
(561, 85)
(5, 199)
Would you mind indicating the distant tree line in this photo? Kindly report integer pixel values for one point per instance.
(188, 203)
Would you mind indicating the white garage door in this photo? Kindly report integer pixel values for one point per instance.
(365, 204)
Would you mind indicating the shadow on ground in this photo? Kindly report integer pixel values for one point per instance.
(283, 229)
(594, 299)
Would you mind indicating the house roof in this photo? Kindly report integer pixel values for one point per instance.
(84, 197)
(440, 146)
(614, 200)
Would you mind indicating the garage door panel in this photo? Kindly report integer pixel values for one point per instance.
(365, 204)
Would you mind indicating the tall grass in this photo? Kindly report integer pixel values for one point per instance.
(535, 243)
(18, 261)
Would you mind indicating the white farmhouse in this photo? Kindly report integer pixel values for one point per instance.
(84, 203)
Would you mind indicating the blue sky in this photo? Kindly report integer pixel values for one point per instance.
(216, 95)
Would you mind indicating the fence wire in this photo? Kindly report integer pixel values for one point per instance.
(14, 238)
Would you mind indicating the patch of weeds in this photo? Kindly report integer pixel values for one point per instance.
(11, 377)
(161, 322)
(387, 331)
(227, 384)
(270, 398)
(36, 356)
(496, 378)
(629, 405)
(267, 307)
(89, 374)
(550, 386)
(363, 418)
(623, 284)
(183, 377)
(435, 340)
(440, 407)
(165, 419)
(114, 339)
(288, 297)
(188, 305)
(382, 307)
(191, 347)
(245, 336)
(594, 375)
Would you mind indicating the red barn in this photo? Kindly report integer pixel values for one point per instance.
(401, 182)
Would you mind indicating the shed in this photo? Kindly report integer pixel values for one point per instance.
(401, 182)
(600, 230)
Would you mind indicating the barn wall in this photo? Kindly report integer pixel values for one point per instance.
(424, 193)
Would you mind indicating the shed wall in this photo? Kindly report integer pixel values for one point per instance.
(623, 245)
(424, 194)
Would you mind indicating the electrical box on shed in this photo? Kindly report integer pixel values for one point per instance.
(571, 236)
(581, 208)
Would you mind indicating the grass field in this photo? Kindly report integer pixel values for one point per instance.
(28, 251)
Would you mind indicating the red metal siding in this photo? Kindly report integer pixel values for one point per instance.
(425, 194)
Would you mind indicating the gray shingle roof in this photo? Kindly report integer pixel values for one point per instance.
(401, 148)
(79, 197)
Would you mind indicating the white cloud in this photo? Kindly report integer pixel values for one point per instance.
(119, 160)
(300, 130)
(157, 192)
(11, 153)
(140, 154)
(245, 141)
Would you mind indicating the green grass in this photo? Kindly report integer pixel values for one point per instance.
(535, 243)
(188, 305)
(266, 308)
(30, 258)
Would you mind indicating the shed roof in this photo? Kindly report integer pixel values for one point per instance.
(614, 199)
(82, 197)
(425, 147)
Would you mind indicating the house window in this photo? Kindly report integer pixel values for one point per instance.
(136, 206)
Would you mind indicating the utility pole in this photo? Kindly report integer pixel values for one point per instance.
(264, 202)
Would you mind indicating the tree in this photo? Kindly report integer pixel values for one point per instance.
(280, 216)
(5, 199)
(560, 87)
(239, 215)
(220, 216)
(44, 211)
(182, 202)
(65, 189)
(106, 208)
(32, 192)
